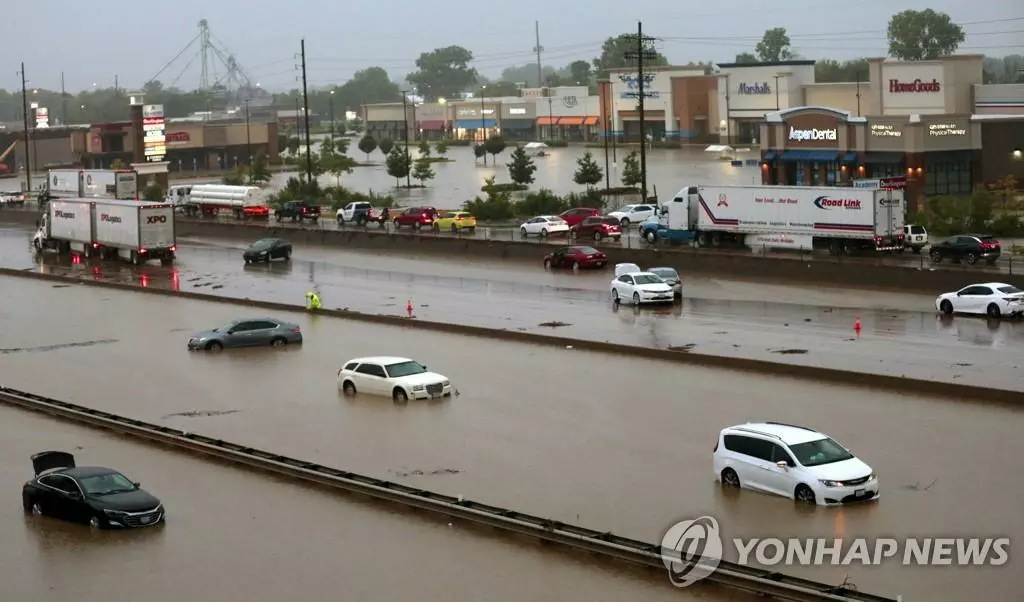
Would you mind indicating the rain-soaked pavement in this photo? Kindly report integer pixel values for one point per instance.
(606, 441)
(901, 333)
(237, 535)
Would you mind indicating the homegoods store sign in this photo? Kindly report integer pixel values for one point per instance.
(812, 134)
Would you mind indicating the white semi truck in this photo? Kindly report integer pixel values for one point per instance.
(211, 199)
(788, 217)
(91, 183)
(109, 228)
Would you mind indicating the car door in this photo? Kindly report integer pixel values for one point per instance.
(371, 378)
(975, 299)
(240, 335)
(778, 479)
(260, 332)
(625, 287)
(763, 473)
(57, 492)
(531, 225)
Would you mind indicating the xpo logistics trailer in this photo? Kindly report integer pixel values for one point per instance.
(91, 183)
(108, 228)
(211, 199)
(787, 217)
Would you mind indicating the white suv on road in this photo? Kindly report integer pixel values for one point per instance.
(794, 462)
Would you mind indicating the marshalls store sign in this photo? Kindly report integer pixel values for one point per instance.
(693, 549)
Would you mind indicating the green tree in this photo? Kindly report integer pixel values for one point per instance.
(745, 58)
(827, 70)
(386, 145)
(497, 89)
(443, 72)
(333, 158)
(293, 145)
(367, 144)
(441, 147)
(1006, 70)
(521, 167)
(774, 46)
(355, 125)
(116, 164)
(398, 163)
(631, 175)
(495, 145)
(424, 148)
(479, 151)
(153, 193)
(525, 74)
(259, 174)
(917, 35)
(422, 171)
(588, 172)
(580, 72)
(614, 54)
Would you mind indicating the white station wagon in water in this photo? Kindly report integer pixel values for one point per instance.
(992, 299)
(399, 378)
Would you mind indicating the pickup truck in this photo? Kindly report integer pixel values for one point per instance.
(297, 211)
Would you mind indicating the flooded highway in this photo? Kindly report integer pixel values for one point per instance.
(239, 535)
(902, 335)
(609, 442)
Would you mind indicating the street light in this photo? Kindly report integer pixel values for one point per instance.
(444, 109)
(330, 99)
(483, 124)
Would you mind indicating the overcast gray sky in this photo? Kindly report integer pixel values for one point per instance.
(93, 42)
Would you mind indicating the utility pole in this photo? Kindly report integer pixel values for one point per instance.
(644, 51)
(538, 49)
(305, 109)
(24, 111)
(405, 130)
(63, 101)
(248, 137)
(604, 118)
(483, 124)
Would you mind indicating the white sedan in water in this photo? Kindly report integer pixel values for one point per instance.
(543, 226)
(399, 378)
(641, 287)
(992, 299)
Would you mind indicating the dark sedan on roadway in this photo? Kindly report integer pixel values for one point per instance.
(251, 332)
(100, 497)
(575, 258)
(267, 249)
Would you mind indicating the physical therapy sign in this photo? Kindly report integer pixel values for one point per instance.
(812, 134)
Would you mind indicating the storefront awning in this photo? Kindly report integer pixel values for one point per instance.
(475, 124)
(849, 157)
(517, 124)
(547, 120)
(590, 120)
(770, 156)
(817, 156)
(884, 158)
(570, 121)
(433, 125)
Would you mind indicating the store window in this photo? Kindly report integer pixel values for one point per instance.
(948, 177)
(887, 170)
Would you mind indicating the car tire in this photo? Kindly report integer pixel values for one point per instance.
(278, 342)
(288, 255)
(522, 232)
(636, 299)
(214, 346)
(436, 228)
(397, 225)
(416, 225)
(279, 217)
(615, 296)
(597, 236)
(341, 222)
(95, 522)
(547, 264)
(730, 478)
(454, 229)
(624, 223)
(972, 258)
(37, 509)
(348, 388)
(946, 307)
(544, 233)
(804, 495)
(399, 395)
(575, 266)
(651, 237)
(936, 257)
(992, 311)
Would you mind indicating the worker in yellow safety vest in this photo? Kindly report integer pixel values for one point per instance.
(312, 300)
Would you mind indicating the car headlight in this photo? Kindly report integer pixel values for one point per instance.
(446, 383)
(114, 512)
(263, 252)
(418, 387)
(828, 483)
(872, 477)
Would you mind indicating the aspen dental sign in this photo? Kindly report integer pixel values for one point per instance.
(812, 134)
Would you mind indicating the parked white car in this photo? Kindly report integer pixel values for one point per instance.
(544, 226)
(794, 462)
(399, 378)
(634, 214)
(671, 278)
(633, 286)
(992, 299)
(915, 237)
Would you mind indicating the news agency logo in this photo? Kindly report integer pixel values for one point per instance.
(691, 550)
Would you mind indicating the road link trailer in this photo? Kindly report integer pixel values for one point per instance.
(841, 219)
(208, 200)
(130, 230)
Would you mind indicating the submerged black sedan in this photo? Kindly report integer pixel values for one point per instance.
(99, 497)
(267, 249)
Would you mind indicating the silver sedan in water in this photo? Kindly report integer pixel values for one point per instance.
(250, 332)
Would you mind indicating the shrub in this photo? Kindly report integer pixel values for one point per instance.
(497, 206)
(542, 202)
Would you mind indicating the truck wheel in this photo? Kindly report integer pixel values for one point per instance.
(136, 258)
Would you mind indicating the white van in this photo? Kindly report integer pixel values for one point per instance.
(915, 237)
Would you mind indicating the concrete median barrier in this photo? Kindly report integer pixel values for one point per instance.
(844, 377)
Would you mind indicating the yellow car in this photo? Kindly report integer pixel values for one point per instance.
(455, 221)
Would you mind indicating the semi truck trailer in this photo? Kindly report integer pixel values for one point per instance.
(211, 199)
(109, 228)
(91, 183)
(841, 219)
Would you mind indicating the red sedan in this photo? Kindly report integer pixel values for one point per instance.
(578, 214)
(416, 217)
(575, 258)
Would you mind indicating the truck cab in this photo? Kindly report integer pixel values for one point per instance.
(677, 219)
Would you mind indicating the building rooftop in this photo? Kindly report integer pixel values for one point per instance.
(797, 63)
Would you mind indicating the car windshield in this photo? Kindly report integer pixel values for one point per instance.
(262, 245)
(405, 369)
(666, 273)
(587, 250)
(648, 279)
(107, 484)
(822, 451)
(1009, 290)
